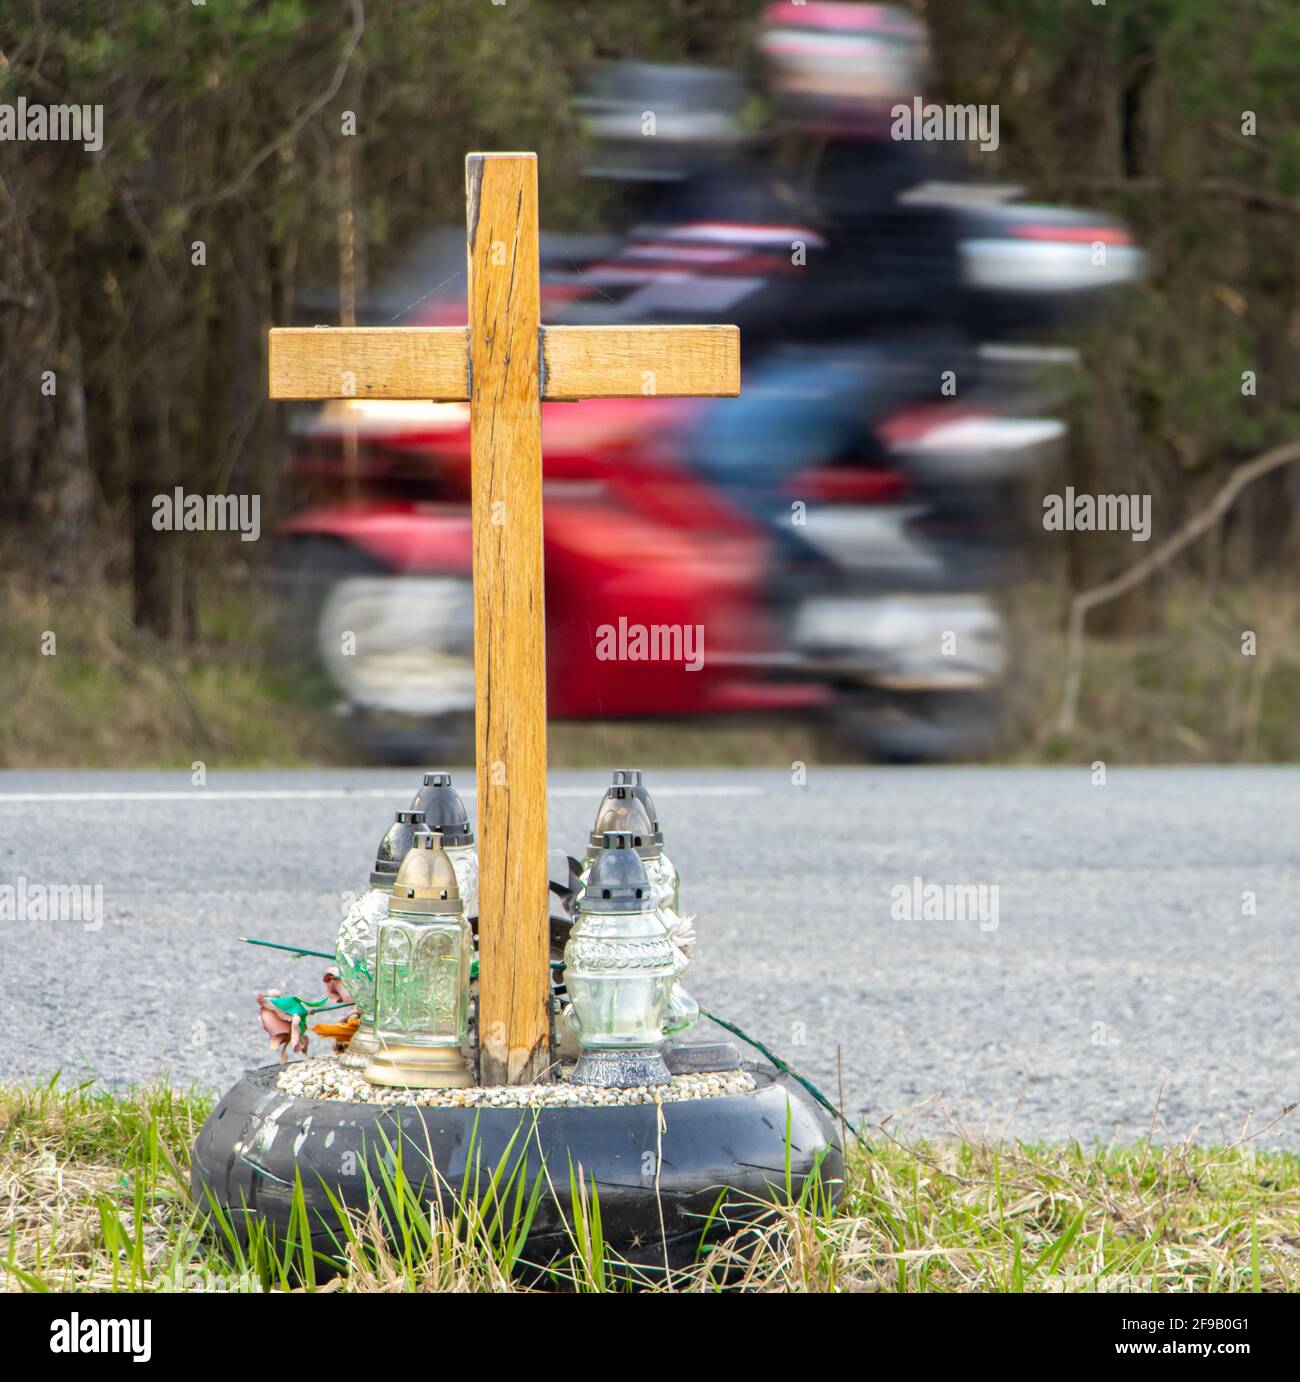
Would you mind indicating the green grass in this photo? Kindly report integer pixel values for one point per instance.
(94, 1197)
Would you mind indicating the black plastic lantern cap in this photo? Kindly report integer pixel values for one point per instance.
(394, 846)
(617, 882)
(444, 811)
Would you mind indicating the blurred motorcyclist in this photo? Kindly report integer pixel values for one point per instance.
(846, 295)
(660, 133)
(835, 71)
(871, 323)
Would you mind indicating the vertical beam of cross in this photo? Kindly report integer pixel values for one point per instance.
(509, 616)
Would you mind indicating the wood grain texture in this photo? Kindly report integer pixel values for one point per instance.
(509, 618)
(415, 362)
(652, 361)
(370, 362)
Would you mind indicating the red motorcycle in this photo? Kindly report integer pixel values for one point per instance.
(655, 589)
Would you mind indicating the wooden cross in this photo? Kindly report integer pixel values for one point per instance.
(505, 363)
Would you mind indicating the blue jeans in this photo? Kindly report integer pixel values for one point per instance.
(798, 408)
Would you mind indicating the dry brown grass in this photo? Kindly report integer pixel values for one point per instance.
(1177, 688)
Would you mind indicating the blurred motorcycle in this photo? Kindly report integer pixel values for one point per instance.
(907, 657)
(664, 599)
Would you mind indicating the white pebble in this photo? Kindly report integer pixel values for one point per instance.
(322, 1077)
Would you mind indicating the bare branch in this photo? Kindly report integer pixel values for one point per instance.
(1102, 594)
(1256, 197)
(233, 188)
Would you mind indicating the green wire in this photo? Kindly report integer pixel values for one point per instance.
(293, 949)
(778, 1062)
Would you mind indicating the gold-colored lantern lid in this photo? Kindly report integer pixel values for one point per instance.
(426, 881)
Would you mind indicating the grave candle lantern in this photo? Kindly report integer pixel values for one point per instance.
(628, 808)
(663, 873)
(358, 934)
(422, 969)
(619, 969)
(444, 812)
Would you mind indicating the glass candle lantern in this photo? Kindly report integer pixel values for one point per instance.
(423, 958)
(619, 970)
(358, 934)
(444, 812)
(628, 808)
(664, 875)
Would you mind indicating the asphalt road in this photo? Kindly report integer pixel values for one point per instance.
(1119, 966)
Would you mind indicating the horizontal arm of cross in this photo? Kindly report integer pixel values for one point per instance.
(418, 362)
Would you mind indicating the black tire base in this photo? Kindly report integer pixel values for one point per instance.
(259, 1141)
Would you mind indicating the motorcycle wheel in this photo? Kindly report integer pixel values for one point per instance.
(920, 726)
(394, 654)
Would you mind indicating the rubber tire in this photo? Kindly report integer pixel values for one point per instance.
(257, 1141)
(920, 727)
